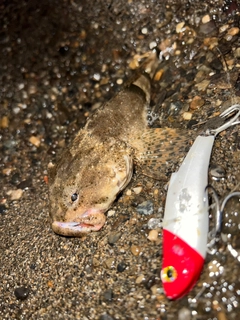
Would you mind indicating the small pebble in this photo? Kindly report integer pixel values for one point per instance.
(152, 45)
(187, 115)
(7, 171)
(237, 53)
(136, 250)
(223, 28)
(158, 75)
(35, 141)
(50, 284)
(206, 18)
(153, 235)
(154, 223)
(144, 30)
(25, 184)
(129, 192)
(109, 263)
(16, 179)
(3, 209)
(140, 279)
(9, 144)
(119, 81)
(32, 89)
(233, 31)
(202, 86)
(121, 266)
(4, 122)
(111, 213)
(196, 103)
(96, 76)
(114, 237)
(137, 190)
(16, 194)
(105, 316)
(108, 295)
(208, 28)
(179, 26)
(21, 293)
(95, 262)
(184, 314)
(150, 282)
(145, 208)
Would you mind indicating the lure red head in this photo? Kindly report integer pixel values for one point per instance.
(181, 267)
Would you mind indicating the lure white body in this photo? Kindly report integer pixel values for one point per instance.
(186, 211)
(185, 223)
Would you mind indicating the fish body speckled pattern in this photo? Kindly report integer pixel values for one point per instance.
(99, 162)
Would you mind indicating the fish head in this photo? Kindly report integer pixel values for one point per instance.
(84, 186)
(181, 266)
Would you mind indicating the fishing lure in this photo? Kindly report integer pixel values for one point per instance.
(185, 223)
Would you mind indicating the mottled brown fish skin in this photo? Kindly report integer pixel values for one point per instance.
(99, 162)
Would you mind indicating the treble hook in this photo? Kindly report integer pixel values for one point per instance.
(231, 122)
(219, 214)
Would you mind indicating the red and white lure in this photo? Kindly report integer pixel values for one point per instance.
(185, 223)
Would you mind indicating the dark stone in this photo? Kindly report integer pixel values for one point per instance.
(108, 295)
(121, 266)
(105, 316)
(21, 293)
(15, 178)
(150, 282)
(208, 28)
(216, 64)
(63, 50)
(25, 184)
(3, 209)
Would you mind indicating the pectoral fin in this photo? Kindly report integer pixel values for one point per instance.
(161, 150)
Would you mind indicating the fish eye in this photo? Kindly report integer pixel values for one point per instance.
(74, 196)
(169, 274)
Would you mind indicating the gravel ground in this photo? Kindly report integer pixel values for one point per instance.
(59, 61)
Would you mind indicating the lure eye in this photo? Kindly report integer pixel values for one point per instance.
(74, 197)
(169, 274)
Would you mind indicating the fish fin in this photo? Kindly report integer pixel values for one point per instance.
(161, 150)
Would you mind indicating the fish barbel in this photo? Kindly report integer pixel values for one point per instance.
(99, 162)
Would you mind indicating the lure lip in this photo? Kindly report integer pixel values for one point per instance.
(90, 220)
(181, 266)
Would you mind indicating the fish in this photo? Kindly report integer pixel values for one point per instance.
(99, 163)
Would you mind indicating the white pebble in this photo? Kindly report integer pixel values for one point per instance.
(96, 76)
(16, 194)
(137, 190)
(152, 45)
(179, 26)
(144, 30)
(111, 213)
(129, 192)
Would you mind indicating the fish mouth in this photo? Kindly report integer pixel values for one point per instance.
(91, 220)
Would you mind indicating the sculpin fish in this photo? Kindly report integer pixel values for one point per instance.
(99, 162)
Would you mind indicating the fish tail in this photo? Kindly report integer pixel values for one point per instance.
(147, 72)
